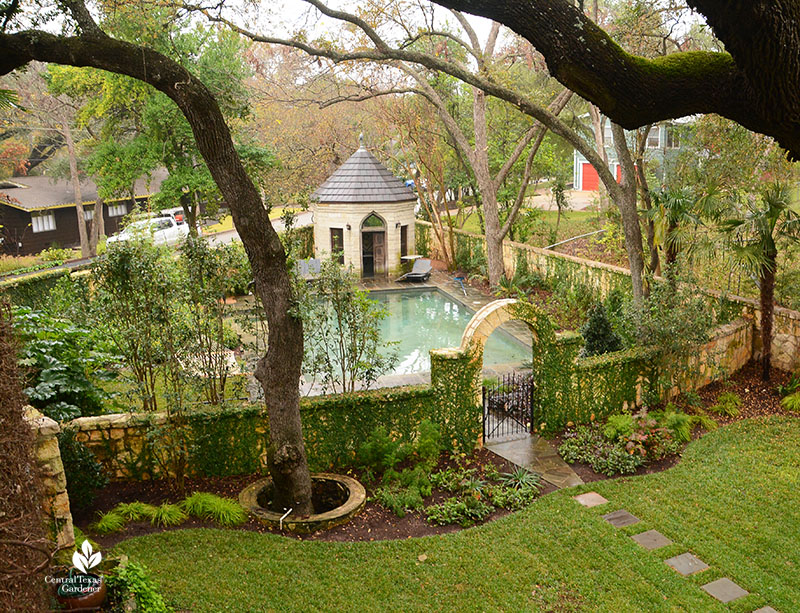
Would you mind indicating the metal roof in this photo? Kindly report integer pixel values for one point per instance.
(362, 178)
(38, 193)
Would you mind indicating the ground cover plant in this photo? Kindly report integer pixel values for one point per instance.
(554, 555)
(404, 478)
(224, 512)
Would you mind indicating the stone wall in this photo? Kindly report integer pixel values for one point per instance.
(348, 217)
(54, 481)
(604, 277)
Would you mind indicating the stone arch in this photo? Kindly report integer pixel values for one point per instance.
(498, 312)
(456, 373)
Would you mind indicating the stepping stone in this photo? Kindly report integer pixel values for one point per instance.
(766, 610)
(590, 499)
(621, 518)
(725, 590)
(652, 539)
(686, 564)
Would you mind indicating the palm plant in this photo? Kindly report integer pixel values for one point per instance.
(676, 215)
(754, 237)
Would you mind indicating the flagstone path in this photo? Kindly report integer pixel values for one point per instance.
(723, 589)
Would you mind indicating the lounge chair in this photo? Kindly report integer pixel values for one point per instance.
(420, 272)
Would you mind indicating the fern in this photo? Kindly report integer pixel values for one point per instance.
(619, 426)
(728, 404)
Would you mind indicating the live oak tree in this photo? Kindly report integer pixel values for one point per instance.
(756, 82)
(86, 44)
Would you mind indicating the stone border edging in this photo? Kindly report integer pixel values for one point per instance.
(356, 499)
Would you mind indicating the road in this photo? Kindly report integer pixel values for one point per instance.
(223, 238)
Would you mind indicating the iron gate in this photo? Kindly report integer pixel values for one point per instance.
(508, 407)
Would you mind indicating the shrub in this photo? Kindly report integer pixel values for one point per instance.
(428, 445)
(84, 473)
(379, 452)
(598, 334)
(792, 402)
(132, 580)
(224, 511)
(728, 404)
(463, 511)
(168, 515)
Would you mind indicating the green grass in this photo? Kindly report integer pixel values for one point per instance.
(573, 223)
(226, 222)
(732, 501)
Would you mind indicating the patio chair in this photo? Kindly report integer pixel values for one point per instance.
(420, 272)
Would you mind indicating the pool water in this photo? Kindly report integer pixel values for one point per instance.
(421, 320)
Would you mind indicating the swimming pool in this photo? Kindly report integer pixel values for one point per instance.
(421, 320)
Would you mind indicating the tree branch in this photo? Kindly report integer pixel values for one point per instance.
(756, 85)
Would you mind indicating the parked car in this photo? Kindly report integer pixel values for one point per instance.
(162, 230)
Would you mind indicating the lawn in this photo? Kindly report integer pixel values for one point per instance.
(226, 222)
(573, 223)
(732, 501)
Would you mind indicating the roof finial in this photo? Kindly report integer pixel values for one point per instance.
(361, 141)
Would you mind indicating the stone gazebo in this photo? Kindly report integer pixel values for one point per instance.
(365, 214)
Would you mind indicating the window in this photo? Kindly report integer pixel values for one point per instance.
(337, 244)
(403, 241)
(117, 210)
(654, 138)
(43, 221)
(88, 214)
(673, 140)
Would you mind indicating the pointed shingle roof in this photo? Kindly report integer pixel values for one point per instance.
(362, 178)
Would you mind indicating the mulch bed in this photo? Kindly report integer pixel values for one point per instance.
(374, 523)
(759, 399)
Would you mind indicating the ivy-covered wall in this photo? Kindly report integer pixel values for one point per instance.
(233, 441)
